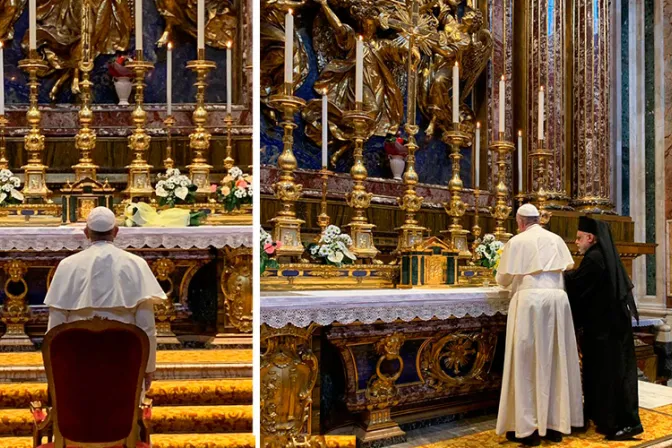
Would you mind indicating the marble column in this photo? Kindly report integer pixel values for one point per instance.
(592, 105)
(549, 65)
(501, 23)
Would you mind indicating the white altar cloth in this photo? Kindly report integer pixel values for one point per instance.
(302, 308)
(72, 237)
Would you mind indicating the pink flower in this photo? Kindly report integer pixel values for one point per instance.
(241, 183)
(270, 248)
(213, 188)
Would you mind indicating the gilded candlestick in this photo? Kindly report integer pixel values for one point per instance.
(286, 226)
(456, 207)
(199, 140)
(541, 156)
(229, 162)
(323, 219)
(169, 122)
(139, 181)
(410, 234)
(501, 210)
(35, 186)
(85, 140)
(4, 163)
(476, 229)
(361, 231)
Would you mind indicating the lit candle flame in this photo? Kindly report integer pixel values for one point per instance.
(520, 133)
(478, 124)
(228, 44)
(170, 45)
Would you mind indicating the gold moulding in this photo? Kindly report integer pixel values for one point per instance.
(306, 276)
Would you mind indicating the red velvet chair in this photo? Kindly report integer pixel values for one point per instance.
(95, 370)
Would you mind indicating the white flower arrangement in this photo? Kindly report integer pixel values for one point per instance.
(489, 251)
(175, 188)
(9, 189)
(333, 248)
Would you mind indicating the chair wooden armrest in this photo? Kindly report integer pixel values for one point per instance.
(145, 420)
(43, 425)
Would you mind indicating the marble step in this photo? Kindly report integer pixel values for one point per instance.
(163, 393)
(165, 441)
(171, 365)
(165, 420)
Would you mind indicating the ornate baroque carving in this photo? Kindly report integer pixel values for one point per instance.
(236, 284)
(15, 313)
(451, 360)
(288, 374)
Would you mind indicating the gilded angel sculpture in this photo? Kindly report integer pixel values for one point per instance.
(10, 10)
(220, 20)
(59, 30)
(336, 39)
(272, 47)
(465, 41)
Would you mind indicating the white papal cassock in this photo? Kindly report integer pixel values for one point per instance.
(108, 282)
(541, 386)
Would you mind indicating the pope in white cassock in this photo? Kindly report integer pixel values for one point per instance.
(541, 386)
(107, 282)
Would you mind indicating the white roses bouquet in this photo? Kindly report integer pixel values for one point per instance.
(175, 188)
(489, 251)
(236, 189)
(333, 248)
(9, 189)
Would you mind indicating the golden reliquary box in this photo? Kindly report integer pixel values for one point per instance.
(82, 197)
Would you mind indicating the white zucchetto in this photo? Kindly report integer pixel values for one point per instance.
(101, 219)
(528, 210)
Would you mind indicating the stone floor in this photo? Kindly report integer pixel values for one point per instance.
(650, 396)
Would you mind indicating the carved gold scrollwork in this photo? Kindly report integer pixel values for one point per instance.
(456, 359)
(236, 284)
(381, 392)
(164, 312)
(288, 374)
(15, 313)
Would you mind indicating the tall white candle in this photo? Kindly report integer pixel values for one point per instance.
(359, 70)
(520, 162)
(502, 99)
(325, 127)
(228, 77)
(32, 24)
(138, 24)
(169, 78)
(541, 113)
(477, 156)
(201, 24)
(456, 93)
(289, 47)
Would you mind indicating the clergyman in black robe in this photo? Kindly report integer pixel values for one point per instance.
(600, 294)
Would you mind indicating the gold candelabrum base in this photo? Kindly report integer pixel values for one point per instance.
(323, 220)
(456, 208)
(139, 180)
(476, 229)
(35, 185)
(361, 231)
(229, 162)
(85, 140)
(199, 140)
(501, 210)
(286, 226)
(541, 156)
(410, 233)
(168, 162)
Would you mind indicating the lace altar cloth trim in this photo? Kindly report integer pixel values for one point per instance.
(72, 237)
(368, 306)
